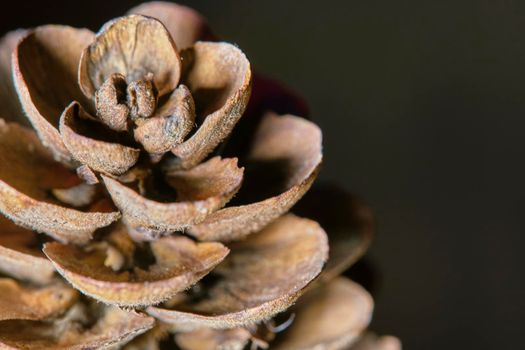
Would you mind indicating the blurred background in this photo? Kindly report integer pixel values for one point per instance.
(422, 107)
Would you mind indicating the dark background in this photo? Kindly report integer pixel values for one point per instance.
(422, 107)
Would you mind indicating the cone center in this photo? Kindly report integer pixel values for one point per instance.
(118, 101)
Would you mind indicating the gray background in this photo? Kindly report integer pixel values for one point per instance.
(422, 107)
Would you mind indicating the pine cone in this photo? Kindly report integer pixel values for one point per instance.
(130, 176)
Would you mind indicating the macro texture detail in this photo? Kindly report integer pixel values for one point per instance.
(135, 213)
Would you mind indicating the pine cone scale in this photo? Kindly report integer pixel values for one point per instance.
(24, 191)
(110, 158)
(12, 109)
(263, 275)
(285, 145)
(45, 65)
(18, 256)
(180, 263)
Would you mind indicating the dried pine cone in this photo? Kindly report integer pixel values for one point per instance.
(128, 174)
